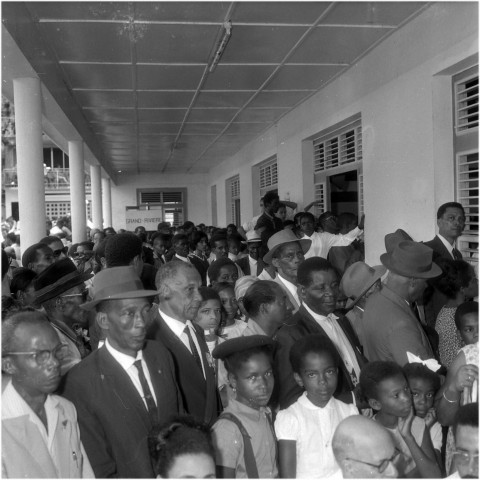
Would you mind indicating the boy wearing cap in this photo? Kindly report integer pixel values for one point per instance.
(243, 436)
(127, 386)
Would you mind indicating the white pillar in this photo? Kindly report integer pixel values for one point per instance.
(96, 177)
(27, 97)
(106, 203)
(78, 208)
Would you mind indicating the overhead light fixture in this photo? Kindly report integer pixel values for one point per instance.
(221, 45)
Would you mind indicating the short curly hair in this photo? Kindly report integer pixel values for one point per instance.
(456, 274)
(121, 249)
(317, 344)
(375, 372)
(420, 371)
(183, 435)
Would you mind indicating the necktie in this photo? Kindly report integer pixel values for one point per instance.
(456, 254)
(193, 348)
(151, 406)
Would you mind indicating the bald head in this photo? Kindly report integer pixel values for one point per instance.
(360, 445)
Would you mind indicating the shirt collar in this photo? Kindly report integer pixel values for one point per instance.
(13, 405)
(447, 244)
(317, 316)
(305, 402)
(125, 361)
(291, 287)
(175, 325)
(183, 259)
(236, 406)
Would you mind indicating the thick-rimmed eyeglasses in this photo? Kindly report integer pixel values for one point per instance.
(382, 466)
(464, 458)
(57, 253)
(42, 357)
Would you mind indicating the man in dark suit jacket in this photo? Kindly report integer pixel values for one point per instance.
(451, 222)
(254, 242)
(179, 300)
(318, 290)
(125, 388)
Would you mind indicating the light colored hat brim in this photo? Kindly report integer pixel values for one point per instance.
(120, 296)
(304, 243)
(432, 272)
(379, 272)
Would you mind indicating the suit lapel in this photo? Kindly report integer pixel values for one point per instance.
(120, 384)
(292, 299)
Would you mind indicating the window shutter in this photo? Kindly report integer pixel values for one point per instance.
(467, 195)
(320, 191)
(361, 210)
(466, 103)
(151, 197)
(269, 174)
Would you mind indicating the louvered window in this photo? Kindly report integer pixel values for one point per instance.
(320, 198)
(269, 174)
(338, 148)
(467, 195)
(466, 103)
(171, 203)
(233, 199)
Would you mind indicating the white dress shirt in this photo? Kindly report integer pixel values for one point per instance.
(447, 244)
(323, 241)
(127, 363)
(339, 339)
(291, 288)
(178, 328)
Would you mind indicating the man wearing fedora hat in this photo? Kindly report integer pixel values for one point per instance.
(390, 326)
(286, 253)
(125, 388)
(252, 264)
(60, 290)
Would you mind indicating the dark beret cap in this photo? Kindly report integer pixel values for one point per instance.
(240, 344)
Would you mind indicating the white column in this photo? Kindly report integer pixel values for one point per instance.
(96, 177)
(27, 97)
(106, 203)
(77, 191)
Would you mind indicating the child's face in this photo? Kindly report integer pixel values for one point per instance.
(202, 245)
(253, 381)
(423, 395)
(229, 302)
(319, 376)
(181, 248)
(233, 247)
(469, 328)
(229, 274)
(394, 397)
(159, 246)
(208, 316)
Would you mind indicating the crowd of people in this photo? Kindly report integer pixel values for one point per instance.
(266, 350)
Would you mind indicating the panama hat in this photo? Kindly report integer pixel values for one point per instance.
(359, 278)
(117, 283)
(252, 237)
(411, 259)
(281, 238)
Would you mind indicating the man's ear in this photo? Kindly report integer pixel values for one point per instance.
(8, 366)
(298, 379)
(164, 291)
(263, 308)
(102, 320)
(59, 303)
(275, 262)
(375, 404)
(302, 292)
(103, 262)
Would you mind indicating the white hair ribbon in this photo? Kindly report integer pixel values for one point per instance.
(430, 363)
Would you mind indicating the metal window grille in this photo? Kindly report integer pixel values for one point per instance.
(320, 190)
(467, 195)
(233, 199)
(466, 104)
(157, 197)
(338, 148)
(360, 195)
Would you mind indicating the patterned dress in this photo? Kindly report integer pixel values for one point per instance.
(450, 341)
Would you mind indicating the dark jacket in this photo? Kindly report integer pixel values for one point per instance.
(287, 391)
(114, 423)
(244, 264)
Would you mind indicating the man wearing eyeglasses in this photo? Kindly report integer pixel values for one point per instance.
(60, 290)
(40, 435)
(364, 449)
(465, 430)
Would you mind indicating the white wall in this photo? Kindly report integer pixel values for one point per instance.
(396, 89)
(124, 194)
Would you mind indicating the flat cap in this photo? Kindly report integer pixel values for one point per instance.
(240, 344)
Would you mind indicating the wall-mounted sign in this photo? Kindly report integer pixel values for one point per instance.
(143, 218)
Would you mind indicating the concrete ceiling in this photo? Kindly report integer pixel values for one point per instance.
(134, 78)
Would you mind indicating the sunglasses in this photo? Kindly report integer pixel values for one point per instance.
(57, 253)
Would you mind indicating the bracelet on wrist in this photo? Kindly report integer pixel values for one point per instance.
(449, 401)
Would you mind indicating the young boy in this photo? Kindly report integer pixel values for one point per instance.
(466, 321)
(243, 436)
(387, 391)
(222, 270)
